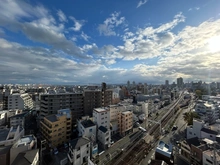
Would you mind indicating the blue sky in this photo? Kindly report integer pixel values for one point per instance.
(81, 41)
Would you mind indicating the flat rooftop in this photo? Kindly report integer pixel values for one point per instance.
(24, 141)
(52, 118)
(101, 109)
(164, 149)
(87, 123)
(4, 134)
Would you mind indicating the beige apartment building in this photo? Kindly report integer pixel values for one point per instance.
(56, 129)
(125, 122)
(51, 103)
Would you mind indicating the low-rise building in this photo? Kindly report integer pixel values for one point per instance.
(209, 157)
(18, 120)
(56, 129)
(3, 117)
(79, 151)
(25, 143)
(8, 136)
(87, 128)
(164, 152)
(104, 137)
(30, 157)
(195, 129)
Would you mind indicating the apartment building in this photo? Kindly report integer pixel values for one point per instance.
(104, 137)
(101, 117)
(79, 151)
(56, 129)
(20, 101)
(125, 122)
(95, 97)
(8, 136)
(87, 128)
(18, 119)
(114, 110)
(51, 103)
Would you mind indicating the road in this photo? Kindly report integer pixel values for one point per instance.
(173, 136)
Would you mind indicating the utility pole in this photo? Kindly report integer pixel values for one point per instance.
(41, 149)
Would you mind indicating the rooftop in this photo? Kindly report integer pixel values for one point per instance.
(193, 141)
(52, 118)
(103, 129)
(4, 134)
(19, 115)
(24, 141)
(87, 123)
(164, 149)
(211, 153)
(101, 109)
(25, 158)
(76, 143)
(209, 131)
(126, 112)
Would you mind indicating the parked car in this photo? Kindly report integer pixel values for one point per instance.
(55, 151)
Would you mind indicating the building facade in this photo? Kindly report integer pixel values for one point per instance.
(79, 151)
(125, 122)
(51, 103)
(101, 117)
(20, 101)
(56, 129)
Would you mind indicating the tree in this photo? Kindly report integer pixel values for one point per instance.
(189, 116)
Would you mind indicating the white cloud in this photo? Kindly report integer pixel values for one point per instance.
(107, 28)
(77, 24)
(141, 2)
(62, 16)
(85, 36)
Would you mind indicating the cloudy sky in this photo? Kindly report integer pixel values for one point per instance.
(83, 41)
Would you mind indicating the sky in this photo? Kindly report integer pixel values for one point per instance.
(112, 41)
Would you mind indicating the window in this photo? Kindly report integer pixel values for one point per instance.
(78, 156)
(209, 161)
(90, 130)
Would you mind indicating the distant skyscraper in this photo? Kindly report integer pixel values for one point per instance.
(128, 84)
(134, 84)
(167, 82)
(180, 82)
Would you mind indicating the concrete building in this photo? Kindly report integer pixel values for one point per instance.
(18, 120)
(125, 122)
(101, 117)
(20, 101)
(104, 137)
(30, 157)
(3, 117)
(164, 152)
(25, 143)
(95, 98)
(195, 129)
(87, 128)
(180, 82)
(8, 136)
(79, 151)
(56, 129)
(209, 157)
(51, 103)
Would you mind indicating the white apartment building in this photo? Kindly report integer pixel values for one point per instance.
(104, 137)
(8, 136)
(79, 151)
(101, 117)
(86, 128)
(207, 111)
(195, 129)
(18, 120)
(20, 101)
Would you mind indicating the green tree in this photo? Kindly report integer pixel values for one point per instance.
(188, 117)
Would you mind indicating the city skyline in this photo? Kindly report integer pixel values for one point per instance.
(91, 42)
